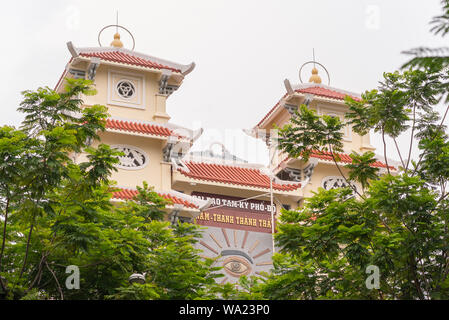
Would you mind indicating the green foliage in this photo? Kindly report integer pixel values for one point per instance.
(361, 169)
(434, 58)
(400, 222)
(309, 132)
(327, 245)
(56, 212)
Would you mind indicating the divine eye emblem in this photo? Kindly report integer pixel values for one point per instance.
(236, 266)
(239, 252)
(125, 89)
(133, 158)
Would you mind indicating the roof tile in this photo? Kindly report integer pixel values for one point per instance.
(344, 157)
(325, 92)
(233, 175)
(122, 57)
(128, 194)
(138, 127)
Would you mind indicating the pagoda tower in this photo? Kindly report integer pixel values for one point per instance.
(320, 170)
(135, 87)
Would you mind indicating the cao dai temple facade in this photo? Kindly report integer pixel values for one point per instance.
(230, 197)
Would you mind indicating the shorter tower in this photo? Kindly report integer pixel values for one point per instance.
(320, 170)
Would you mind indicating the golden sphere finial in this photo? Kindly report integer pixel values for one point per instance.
(117, 42)
(315, 77)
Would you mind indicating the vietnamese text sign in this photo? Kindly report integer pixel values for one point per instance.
(235, 213)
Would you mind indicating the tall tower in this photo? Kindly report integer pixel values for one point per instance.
(135, 87)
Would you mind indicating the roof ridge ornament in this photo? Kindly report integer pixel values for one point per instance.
(116, 42)
(314, 78)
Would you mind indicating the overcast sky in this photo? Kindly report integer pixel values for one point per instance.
(243, 50)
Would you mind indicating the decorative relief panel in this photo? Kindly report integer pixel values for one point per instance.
(133, 158)
(333, 182)
(126, 90)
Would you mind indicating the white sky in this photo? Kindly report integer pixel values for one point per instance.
(243, 51)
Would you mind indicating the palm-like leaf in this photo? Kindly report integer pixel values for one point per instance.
(424, 57)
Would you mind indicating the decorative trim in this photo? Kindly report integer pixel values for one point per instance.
(308, 170)
(293, 174)
(291, 108)
(164, 87)
(164, 64)
(92, 69)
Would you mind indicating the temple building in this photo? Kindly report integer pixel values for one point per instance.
(237, 202)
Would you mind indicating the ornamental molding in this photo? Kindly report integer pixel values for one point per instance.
(134, 158)
(291, 108)
(165, 88)
(92, 68)
(333, 182)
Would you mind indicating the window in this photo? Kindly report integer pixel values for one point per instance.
(125, 89)
(346, 130)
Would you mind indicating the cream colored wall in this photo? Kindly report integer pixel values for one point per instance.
(152, 101)
(351, 140)
(321, 171)
(153, 172)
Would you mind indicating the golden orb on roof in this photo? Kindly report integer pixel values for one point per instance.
(117, 42)
(315, 77)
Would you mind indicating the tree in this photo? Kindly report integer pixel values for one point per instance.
(56, 212)
(400, 222)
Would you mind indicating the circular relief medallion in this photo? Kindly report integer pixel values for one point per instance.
(133, 158)
(126, 89)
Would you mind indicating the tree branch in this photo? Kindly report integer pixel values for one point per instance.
(385, 150)
(399, 152)
(341, 173)
(411, 137)
(56, 279)
(27, 250)
(4, 241)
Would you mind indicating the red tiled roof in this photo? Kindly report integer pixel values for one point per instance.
(122, 57)
(325, 92)
(344, 157)
(318, 91)
(128, 194)
(233, 175)
(138, 127)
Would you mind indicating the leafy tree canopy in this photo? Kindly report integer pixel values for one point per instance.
(398, 223)
(56, 212)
